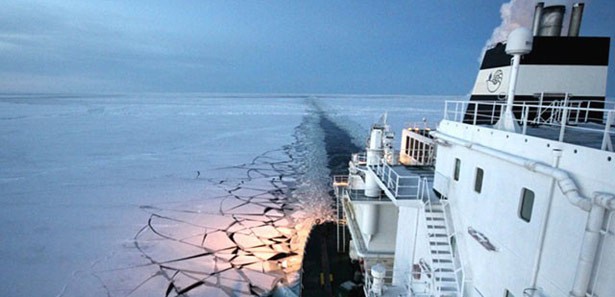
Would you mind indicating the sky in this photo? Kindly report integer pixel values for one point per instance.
(414, 47)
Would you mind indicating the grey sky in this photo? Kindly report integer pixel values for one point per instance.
(374, 47)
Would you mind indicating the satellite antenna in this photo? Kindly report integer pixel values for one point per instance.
(519, 43)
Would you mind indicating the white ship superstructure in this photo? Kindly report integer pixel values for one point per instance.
(475, 208)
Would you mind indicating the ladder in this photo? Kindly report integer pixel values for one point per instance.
(445, 279)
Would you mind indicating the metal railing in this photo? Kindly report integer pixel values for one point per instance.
(460, 275)
(481, 112)
(402, 186)
(359, 159)
(340, 187)
(340, 181)
(424, 282)
(392, 157)
(359, 194)
(388, 281)
(415, 283)
(586, 116)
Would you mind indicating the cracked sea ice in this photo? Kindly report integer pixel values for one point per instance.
(248, 240)
(82, 173)
(258, 242)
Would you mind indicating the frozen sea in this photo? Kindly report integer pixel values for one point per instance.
(166, 194)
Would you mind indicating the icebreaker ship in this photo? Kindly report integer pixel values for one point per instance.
(512, 195)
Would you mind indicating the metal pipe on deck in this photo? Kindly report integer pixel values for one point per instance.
(596, 206)
(557, 154)
(564, 181)
(589, 249)
(374, 155)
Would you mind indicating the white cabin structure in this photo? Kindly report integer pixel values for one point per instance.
(473, 209)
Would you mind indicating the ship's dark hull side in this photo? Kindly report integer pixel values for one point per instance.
(546, 51)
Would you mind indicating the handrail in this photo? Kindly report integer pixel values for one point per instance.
(396, 183)
(340, 180)
(353, 194)
(558, 114)
(359, 158)
(581, 108)
(426, 277)
(411, 280)
(340, 186)
(460, 275)
(427, 204)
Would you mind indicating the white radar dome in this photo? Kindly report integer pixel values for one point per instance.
(519, 42)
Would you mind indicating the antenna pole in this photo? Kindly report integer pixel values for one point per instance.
(507, 120)
(519, 43)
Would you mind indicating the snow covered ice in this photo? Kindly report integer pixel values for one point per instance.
(147, 195)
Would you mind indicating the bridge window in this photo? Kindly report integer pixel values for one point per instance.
(478, 183)
(527, 204)
(457, 169)
(408, 145)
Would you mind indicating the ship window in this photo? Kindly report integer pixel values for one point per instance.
(478, 183)
(527, 204)
(457, 169)
(408, 143)
(508, 294)
(421, 152)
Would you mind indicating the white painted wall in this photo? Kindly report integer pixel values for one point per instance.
(578, 80)
(384, 238)
(494, 211)
(404, 249)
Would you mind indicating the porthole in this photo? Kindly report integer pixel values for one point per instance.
(478, 181)
(526, 205)
(457, 169)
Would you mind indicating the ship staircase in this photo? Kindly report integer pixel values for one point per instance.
(448, 276)
(340, 186)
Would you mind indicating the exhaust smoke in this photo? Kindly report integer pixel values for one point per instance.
(518, 13)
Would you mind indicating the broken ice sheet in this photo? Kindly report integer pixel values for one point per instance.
(233, 245)
(242, 236)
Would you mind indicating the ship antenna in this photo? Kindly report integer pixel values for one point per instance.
(519, 43)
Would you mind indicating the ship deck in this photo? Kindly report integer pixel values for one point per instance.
(401, 182)
(584, 125)
(358, 196)
(582, 134)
